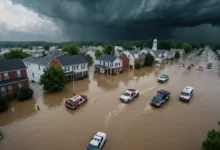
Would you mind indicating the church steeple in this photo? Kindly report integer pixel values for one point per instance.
(154, 45)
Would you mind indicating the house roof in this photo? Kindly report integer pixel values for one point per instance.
(56, 53)
(41, 60)
(13, 80)
(180, 50)
(84, 50)
(71, 60)
(11, 64)
(132, 52)
(109, 58)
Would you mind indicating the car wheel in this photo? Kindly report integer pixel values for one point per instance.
(137, 94)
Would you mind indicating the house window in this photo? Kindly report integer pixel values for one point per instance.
(72, 67)
(39, 67)
(18, 73)
(100, 62)
(118, 64)
(3, 91)
(10, 89)
(103, 63)
(111, 64)
(19, 85)
(33, 75)
(83, 66)
(67, 68)
(6, 76)
(77, 67)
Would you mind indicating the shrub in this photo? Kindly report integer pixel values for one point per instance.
(25, 94)
(3, 104)
(177, 54)
(137, 66)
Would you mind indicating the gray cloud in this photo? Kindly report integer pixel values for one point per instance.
(131, 19)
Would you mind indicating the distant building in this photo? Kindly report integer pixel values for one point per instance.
(13, 76)
(108, 64)
(181, 51)
(154, 48)
(88, 51)
(135, 57)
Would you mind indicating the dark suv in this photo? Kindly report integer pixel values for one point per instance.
(161, 97)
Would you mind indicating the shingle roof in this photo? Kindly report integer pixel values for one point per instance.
(11, 64)
(41, 60)
(84, 50)
(71, 60)
(109, 58)
(132, 52)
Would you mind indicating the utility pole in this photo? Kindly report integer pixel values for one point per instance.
(73, 86)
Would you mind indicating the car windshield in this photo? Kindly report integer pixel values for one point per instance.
(92, 147)
(184, 94)
(163, 76)
(157, 98)
(126, 94)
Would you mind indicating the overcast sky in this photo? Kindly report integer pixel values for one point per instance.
(67, 20)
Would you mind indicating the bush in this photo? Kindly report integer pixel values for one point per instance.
(25, 94)
(177, 54)
(137, 66)
(3, 104)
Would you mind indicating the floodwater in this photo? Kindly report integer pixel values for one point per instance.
(137, 125)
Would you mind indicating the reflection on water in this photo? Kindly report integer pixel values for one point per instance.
(176, 123)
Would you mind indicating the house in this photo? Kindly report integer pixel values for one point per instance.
(108, 64)
(13, 76)
(87, 51)
(125, 61)
(56, 53)
(160, 56)
(135, 57)
(36, 66)
(181, 51)
(74, 66)
(144, 51)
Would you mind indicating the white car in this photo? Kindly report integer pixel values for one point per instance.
(186, 94)
(163, 78)
(97, 141)
(128, 95)
(75, 101)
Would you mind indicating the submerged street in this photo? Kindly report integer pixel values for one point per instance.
(136, 125)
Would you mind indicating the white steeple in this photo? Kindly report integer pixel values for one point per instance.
(154, 45)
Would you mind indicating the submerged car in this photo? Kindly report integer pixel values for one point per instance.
(163, 78)
(97, 141)
(128, 95)
(199, 68)
(182, 65)
(1, 136)
(209, 66)
(75, 101)
(161, 97)
(186, 94)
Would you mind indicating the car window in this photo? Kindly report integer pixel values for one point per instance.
(185, 94)
(80, 99)
(126, 94)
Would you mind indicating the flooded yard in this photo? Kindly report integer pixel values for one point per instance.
(137, 125)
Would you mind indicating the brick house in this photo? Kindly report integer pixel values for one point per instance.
(108, 64)
(125, 61)
(13, 76)
(135, 57)
(74, 66)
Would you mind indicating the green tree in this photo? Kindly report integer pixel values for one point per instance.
(3, 104)
(89, 59)
(46, 47)
(216, 47)
(98, 53)
(15, 54)
(177, 54)
(149, 59)
(127, 46)
(71, 49)
(196, 46)
(25, 45)
(53, 79)
(187, 47)
(31, 48)
(109, 49)
(212, 141)
(25, 94)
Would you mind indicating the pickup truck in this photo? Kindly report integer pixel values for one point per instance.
(128, 95)
(97, 141)
(161, 97)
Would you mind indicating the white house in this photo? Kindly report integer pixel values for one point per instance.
(36, 66)
(181, 51)
(160, 56)
(144, 51)
(108, 64)
(87, 51)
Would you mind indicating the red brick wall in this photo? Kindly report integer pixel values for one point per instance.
(13, 74)
(55, 63)
(15, 87)
(125, 61)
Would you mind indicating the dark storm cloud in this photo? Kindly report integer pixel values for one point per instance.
(128, 19)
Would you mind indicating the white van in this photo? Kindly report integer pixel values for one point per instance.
(186, 94)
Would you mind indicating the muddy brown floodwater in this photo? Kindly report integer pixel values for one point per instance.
(134, 126)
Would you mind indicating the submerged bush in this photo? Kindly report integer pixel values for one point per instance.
(137, 66)
(3, 104)
(25, 94)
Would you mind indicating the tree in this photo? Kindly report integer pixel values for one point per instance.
(53, 79)
(3, 104)
(89, 59)
(196, 46)
(149, 59)
(15, 54)
(25, 45)
(177, 54)
(212, 141)
(98, 53)
(72, 49)
(127, 46)
(187, 47)
(109, 49)
(216, 47)
(46, 47)
(25, 94)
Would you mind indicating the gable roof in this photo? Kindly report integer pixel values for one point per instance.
(105, 57)
(132, 52)
(41, 60)
(84, 50)
(71, 60)
(56, 53)
(11, 64)
(180, 50)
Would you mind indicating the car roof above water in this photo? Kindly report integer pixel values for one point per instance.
(188, 89)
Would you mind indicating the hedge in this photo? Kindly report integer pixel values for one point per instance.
(3, 104)
(25, 94)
